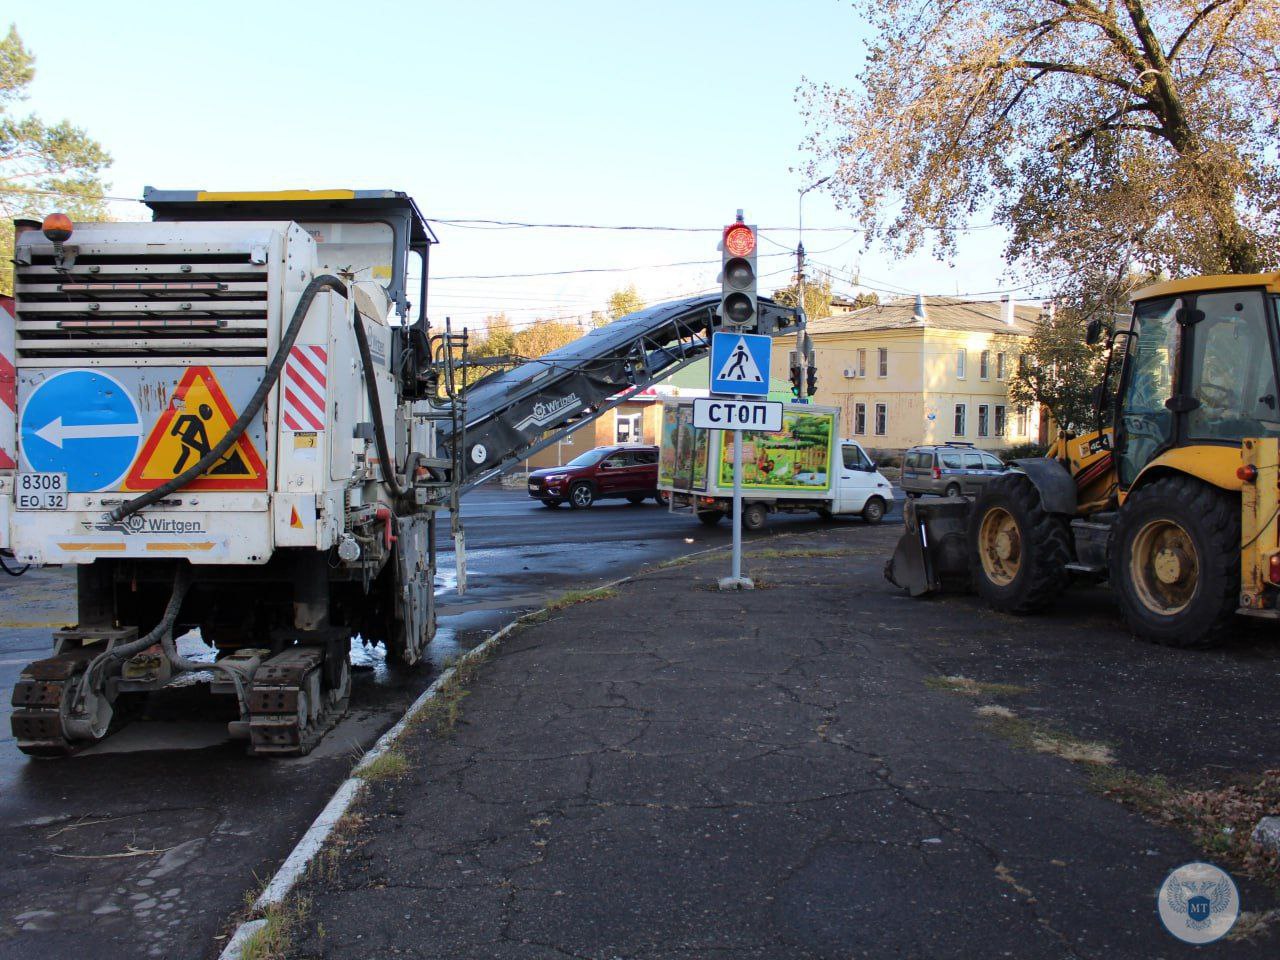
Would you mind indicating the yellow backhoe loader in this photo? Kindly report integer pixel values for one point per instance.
(1173, 498)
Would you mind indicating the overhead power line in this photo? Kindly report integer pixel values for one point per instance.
(478, 223)
(563, 273)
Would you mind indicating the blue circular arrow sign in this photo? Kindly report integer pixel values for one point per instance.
(82, 423)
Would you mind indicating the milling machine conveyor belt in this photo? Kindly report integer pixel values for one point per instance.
(511, 414)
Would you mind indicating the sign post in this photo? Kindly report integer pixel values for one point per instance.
(735, 580)
(739, 368)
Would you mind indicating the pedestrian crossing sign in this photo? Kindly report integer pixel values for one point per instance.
(198, 416)
(740, 364)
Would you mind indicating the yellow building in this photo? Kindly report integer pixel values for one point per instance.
(922, 370)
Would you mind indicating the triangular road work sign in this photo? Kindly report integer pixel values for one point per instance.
(739, 366)
(198, 416)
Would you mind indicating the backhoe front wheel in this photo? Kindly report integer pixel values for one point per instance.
(1018, 550)
(1175, 562)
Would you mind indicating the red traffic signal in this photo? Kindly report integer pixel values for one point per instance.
(738, 307)
(739, 240)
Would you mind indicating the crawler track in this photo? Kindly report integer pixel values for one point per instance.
(39, 696)
(290, 704)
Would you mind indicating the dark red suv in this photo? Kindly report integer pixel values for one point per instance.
(605, 473)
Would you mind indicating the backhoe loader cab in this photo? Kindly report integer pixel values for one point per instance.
(1175, 502)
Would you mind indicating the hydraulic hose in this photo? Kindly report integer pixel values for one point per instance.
(375, 408)
(181, 584)
(251, 410)
(10, 571)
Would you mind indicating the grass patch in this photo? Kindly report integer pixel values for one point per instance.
(973, 688)
(324, 867)
(689, 558)
(1042, 739)
(570, 599)
(993, 711)
(575, 597)
(1221, 820)
(274, 939)
(443, 711)
(777, 554)
(386, 766)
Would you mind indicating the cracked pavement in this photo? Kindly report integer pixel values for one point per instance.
(677, 772)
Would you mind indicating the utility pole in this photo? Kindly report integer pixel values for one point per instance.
(800, 333)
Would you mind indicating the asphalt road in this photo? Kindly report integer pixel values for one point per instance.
(146, 844)
(822, 769)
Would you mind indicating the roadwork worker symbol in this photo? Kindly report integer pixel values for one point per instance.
(191, 433)
(197, 418)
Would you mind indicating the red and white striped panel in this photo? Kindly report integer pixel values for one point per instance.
(8, 388)
(304, 388)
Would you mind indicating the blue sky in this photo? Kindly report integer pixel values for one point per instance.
(661, 113)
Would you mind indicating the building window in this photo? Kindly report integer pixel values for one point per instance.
(984, 420)
(884, 362)
(962, 360)
(999, 366)
(961, 411)
(628, 428)
(984, 365)
(1020, 423)
(862, 363)
(1000, 418)
(882, 419)
(859, 418)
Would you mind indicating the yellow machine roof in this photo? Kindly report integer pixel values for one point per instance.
(276, 195)
(1171, 288)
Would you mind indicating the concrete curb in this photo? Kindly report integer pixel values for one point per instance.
(351, 789)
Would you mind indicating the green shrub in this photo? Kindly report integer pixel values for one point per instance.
(1023, 451)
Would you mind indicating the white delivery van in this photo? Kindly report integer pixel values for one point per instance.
(804, 467)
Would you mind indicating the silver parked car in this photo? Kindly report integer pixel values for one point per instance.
(948, 469)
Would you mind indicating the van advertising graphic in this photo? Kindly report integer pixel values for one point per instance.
(796, 457)
(684, 450)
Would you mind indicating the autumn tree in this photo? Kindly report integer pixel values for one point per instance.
(498, 340)
(510, 345)
(817, 296)
(542, 336)
(43, 167)
(1058, 371)
(623, 301)
(1102, 133)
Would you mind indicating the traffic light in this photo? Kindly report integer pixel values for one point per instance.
(738, 274)
(796, 374)
(812, 385)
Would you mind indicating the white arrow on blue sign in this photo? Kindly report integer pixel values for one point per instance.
(740, 364)
(83, 423)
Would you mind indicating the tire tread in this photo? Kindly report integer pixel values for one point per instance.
(1221, 517)
(1048, 563)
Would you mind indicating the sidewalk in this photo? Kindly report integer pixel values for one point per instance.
(677, 772)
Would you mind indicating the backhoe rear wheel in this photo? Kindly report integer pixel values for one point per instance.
(1175, 562)
(1018, 550)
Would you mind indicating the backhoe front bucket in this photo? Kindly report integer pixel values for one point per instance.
(931, 554)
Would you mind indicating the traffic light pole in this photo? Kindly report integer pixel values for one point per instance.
(738, 311)
(804, 359)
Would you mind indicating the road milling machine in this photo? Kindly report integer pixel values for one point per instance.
(227, 418)
(230, 419)
(1174, 497)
